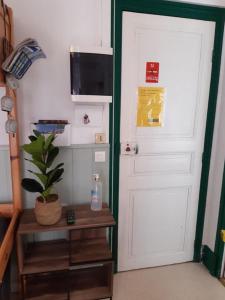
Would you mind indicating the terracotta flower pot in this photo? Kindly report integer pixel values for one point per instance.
(48, 213)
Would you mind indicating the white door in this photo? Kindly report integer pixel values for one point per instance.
(159, 186)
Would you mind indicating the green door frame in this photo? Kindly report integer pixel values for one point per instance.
(174, 9)
(219, 245)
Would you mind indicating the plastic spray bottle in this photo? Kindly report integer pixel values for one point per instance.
(96, 193)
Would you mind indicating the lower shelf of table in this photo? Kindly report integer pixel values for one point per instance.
(46, 286)
(83, 283)
(91, 283)
(54, 255)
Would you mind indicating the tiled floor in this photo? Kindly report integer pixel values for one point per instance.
(188, 281)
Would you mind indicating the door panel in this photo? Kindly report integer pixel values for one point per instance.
(164, 163)
(148, 205)
(159, 187)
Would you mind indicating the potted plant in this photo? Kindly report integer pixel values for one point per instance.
(48, 209)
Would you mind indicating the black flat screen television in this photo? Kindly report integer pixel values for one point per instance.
(91, 75)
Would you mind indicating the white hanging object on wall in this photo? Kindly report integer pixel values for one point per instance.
(11, 126)
(12, 82)
(7, 104)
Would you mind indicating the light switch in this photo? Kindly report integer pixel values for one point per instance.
(100, 138)
(100, 156)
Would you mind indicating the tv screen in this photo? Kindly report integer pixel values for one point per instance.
(91, 74)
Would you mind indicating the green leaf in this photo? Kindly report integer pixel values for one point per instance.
(32, 138)
(38, 157)
(47, 192)
(36, 133)
(49, 141)
(54, 177)
(51, 174)
(43, 178)
(42, 167)
(51, 156)
(57, 167)
(35, 147)
(31, 185)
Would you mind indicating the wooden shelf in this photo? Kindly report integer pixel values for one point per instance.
(40, 257)
(85, 218)
(91, 283)
(91, 250)
(46, 256)
(82, 284)
(78, 268)
(49, 286)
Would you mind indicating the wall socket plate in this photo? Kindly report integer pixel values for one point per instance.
(100, 138)
(100, 156)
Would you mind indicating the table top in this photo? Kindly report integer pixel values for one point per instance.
(84, 218)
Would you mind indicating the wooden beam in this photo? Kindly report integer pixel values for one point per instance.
(15, 156)
(7, 244)
(6, 210)
(9, 37)
(13, 138)
(2, 15)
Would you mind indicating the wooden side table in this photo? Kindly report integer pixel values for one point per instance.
(79, 266)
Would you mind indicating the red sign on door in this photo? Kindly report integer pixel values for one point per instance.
(152, 72)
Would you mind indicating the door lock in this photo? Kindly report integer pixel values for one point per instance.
(129, 149)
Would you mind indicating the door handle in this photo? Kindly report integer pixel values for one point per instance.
(136, 149)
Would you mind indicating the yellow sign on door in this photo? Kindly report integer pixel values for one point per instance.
(150, 106)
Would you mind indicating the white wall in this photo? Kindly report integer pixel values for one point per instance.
(57, 24)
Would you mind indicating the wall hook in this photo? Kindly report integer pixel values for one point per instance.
(86, 119)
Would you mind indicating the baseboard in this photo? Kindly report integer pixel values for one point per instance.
(209, 260)
(222, 280)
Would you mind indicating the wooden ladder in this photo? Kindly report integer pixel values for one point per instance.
(12, 209)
